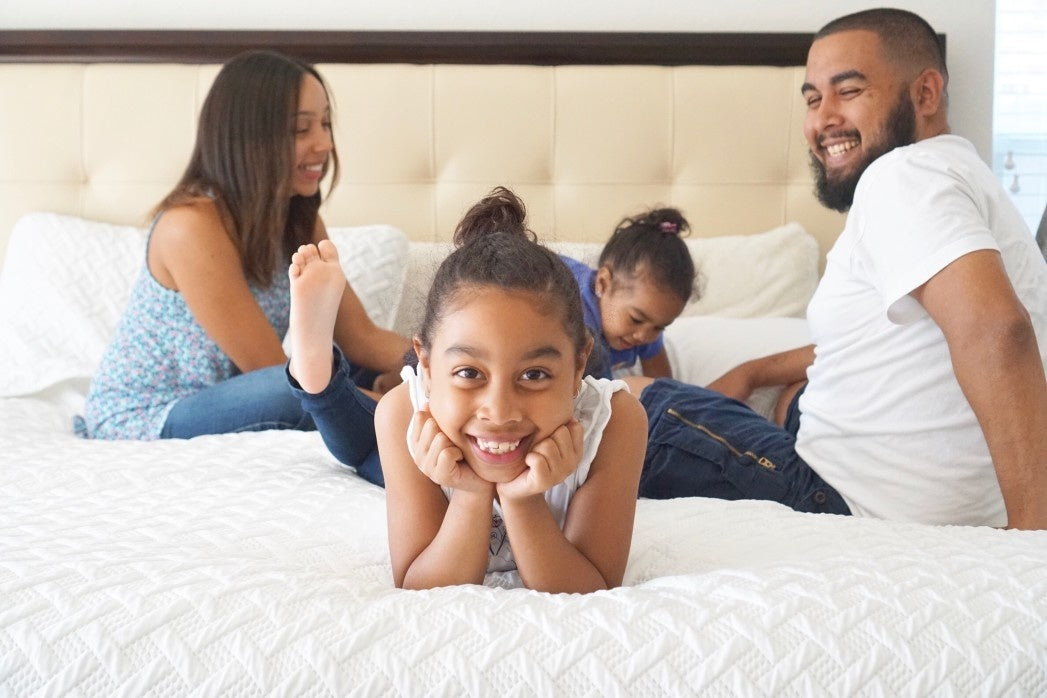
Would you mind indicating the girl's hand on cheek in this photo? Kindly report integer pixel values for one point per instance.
(441, 460)
(549, 462)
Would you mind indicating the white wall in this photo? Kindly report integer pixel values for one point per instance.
(969, 25)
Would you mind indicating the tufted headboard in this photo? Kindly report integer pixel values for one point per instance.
(586, 127)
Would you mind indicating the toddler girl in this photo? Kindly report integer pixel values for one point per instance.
(643, 280)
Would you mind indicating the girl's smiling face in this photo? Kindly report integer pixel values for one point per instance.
(633, 309)
(501, 375)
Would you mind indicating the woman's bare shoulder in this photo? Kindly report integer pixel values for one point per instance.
(190, 245)
(197, 217)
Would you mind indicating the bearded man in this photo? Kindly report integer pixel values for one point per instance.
(923, 396)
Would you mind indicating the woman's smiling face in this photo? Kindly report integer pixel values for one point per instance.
(312, 137)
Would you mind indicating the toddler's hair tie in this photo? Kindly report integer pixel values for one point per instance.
(668, 227)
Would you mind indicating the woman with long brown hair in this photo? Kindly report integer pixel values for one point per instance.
(198, 350)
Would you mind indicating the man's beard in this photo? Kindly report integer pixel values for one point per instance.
(901, 130)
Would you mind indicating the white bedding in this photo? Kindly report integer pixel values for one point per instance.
(254, 564)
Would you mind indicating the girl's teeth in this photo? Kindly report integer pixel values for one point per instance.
(497, 447)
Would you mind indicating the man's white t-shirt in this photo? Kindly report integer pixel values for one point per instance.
(884, 420)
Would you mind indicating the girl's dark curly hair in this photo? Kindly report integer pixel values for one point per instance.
(652, 244)
(494, 247)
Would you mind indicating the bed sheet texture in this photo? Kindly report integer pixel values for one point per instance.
(253, 564)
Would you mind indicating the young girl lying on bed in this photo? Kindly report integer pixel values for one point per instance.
(499, 453)
(643, 280)
(198, 349)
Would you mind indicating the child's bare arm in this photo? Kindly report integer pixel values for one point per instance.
(432, 541)
(592, 550)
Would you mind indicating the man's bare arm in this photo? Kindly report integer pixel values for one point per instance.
(997, 363)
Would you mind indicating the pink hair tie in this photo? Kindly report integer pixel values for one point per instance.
(668, 227)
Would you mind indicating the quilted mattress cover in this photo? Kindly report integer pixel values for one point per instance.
(254, 564)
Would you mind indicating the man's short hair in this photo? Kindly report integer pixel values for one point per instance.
(907, 38)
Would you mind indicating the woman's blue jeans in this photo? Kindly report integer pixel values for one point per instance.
(703, 444)
(270, 398)
(253, 401)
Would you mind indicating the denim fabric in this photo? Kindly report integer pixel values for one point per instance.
(345, 417)
(252, 401)
(702, 444)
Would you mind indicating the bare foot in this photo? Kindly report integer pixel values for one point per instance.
(317, 285)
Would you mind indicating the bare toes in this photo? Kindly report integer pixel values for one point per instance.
(327, 251)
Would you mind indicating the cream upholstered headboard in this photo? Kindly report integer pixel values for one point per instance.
(586, 127)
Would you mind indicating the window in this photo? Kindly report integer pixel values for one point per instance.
(1020, 104)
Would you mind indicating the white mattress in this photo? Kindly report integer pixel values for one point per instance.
(254, 564)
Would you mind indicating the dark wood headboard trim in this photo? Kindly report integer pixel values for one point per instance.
(524, 48)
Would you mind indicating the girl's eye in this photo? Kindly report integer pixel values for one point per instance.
(635, 320)
(467, 373)
(535, 374)
(326, 125)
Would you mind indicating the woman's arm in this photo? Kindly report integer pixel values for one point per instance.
(362, 342)
(432, 541)
(191, 252)
(592, 550)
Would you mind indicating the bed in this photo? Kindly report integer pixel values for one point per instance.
(254, 564)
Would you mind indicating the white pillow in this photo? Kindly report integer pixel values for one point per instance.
(773, 273)
(701, 349)
(423, 259)
(374, 258)
(64, 285)
(66, 281)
